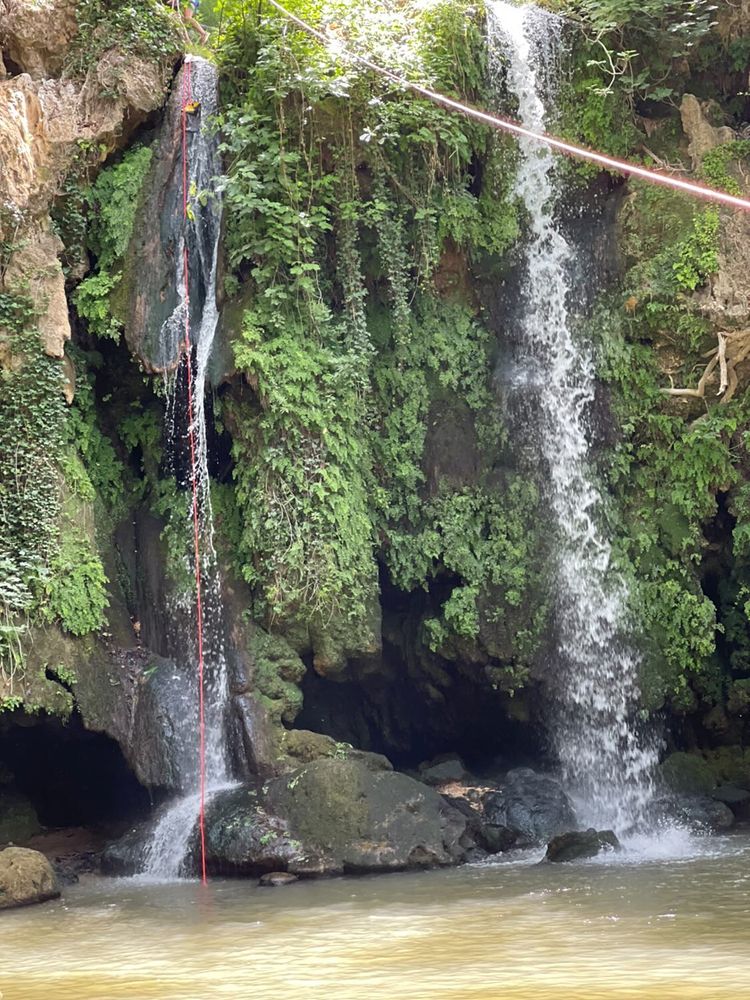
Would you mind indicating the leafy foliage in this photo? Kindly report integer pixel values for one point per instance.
(113, 203)
(343, 195)
(146, 28)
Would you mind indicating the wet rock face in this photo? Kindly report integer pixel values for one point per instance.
(579, 844)
(243, 839)
(329, 817)
(533, 806)
(25, 877)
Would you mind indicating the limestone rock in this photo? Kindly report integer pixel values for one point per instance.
(577, 844)
(35, 269)
(534, 806)
(702, 135)
(35, 36)
(25, 877)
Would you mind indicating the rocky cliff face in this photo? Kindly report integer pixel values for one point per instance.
(382, 542)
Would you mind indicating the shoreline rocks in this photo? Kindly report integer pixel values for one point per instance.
(26, 877)
(578, 844)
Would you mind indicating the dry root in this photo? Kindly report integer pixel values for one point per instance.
(732, 349)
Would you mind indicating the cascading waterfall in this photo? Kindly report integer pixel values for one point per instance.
(606, 766)
(171, 838)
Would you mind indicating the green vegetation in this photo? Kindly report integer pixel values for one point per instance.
(145, 28)
(112, 204)
(353, 209)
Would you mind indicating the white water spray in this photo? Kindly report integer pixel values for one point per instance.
(605, 765)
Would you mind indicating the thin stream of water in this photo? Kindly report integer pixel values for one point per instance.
(606, 764)
(166, 851)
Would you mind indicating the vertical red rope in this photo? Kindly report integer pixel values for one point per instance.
(186, 99)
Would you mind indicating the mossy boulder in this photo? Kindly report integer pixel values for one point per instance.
(687, 774)
(243, 839)
(358, 817)
(25, 877)
(304, 746)
(730, 765)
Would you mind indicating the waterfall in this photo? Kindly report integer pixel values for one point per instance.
(606, 765)
(171, 837)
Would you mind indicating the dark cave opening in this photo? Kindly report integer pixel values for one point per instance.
(412, 705)
(72, 777)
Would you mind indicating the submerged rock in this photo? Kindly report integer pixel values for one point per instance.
(578, 844)
(534, 806)
(25, 877)
(276, 879)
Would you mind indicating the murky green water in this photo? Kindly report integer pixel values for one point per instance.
(654, 929)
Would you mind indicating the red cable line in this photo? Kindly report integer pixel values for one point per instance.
(508, 125)
(186, 99)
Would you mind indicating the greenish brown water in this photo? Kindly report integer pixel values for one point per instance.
(635, 928)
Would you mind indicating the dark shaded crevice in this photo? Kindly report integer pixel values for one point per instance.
(413, 705)
(72, 777)
(12, 68)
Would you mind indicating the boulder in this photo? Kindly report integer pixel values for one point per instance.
(25, 877)
(305, 746)
(357, 818)
(442, 771)
(242, 838)
(704, 814)
(577, 844)
(489, 838)
(534, 806)
(731, 795)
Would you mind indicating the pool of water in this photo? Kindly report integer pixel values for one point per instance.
(642, 926)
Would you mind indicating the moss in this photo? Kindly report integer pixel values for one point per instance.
(113, 204)
(688, 774)
(278, 673)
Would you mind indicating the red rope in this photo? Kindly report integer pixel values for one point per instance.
(186, 99)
